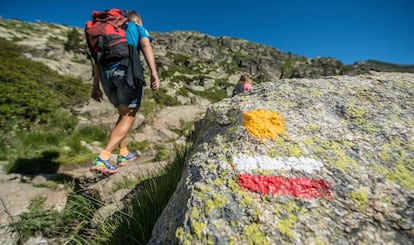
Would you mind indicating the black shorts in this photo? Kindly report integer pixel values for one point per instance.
(115, 86)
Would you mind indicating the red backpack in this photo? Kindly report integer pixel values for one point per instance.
(105, 36)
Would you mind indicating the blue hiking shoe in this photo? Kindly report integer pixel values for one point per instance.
(123, 160)
(103, 166)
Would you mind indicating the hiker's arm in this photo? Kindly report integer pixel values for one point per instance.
(96, 93)
(149, 58)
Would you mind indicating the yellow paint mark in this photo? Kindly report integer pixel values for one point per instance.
(264, 124)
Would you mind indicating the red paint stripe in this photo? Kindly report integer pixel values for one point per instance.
(298, 187)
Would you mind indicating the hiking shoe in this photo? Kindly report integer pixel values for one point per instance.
(123, 160)
(103, 166)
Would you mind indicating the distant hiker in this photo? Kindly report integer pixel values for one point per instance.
(244, 84)
(123, 83)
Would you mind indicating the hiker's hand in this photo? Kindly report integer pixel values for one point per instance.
(97, 94)
(155, 82)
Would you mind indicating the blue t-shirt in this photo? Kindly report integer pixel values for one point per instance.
(135, 32)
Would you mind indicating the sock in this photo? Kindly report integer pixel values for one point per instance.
(123, 151)
(105, 155)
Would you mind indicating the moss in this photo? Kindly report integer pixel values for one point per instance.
(285, 225)
(311, 127)
(333, 151)
(233, 185)
(210, 240)
(403, 175)
(253, 235)
(361, 199)
(263, 172)
(315, 94)
(198, 228)
(203, 189)
(247, 199)
(211, 166)
(356, 114)
(396, 164)
(286, 147)
(370, 127)
(195, 213)
(218, 182)
(180, 234)
(295, 151)
(309, 141)
(318, 241)
(256, 214)
(289, 214)
(400, 174)
(216, 202)
(384, 155)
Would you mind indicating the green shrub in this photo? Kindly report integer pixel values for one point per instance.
(162, 153)
(134, 225)
(33, 121)
(161, 97)
(65, 225)
(139, 145)
(74, 41)
(30, 91)
(213, 95)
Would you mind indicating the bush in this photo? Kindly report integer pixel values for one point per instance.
(33, 98)
(74, 42)
(64, 225)
(162, 98)
(30, 91)
(134, 224)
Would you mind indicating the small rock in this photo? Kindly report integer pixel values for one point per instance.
(39, 179)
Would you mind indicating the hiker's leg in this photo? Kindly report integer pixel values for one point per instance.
(123, 149)
(120, 131)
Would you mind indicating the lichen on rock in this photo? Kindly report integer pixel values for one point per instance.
(359, 131)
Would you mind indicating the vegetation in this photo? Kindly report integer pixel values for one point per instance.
(387, 67)
(39, 135)
(33, 99)
(75, 41)
(133, 225)
(213, 94)
(64, 225)
(162, 98)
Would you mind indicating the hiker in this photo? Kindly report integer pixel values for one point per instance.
(124, 94)
(244, 84)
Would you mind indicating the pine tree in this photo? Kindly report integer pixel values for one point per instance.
(74, 41)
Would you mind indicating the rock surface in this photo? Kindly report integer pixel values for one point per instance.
(15, 198)
(359, 127)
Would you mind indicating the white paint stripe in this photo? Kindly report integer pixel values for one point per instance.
(246, 163)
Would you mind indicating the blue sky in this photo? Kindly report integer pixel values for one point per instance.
(348, 30)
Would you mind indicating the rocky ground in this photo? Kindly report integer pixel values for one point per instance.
(18, 191)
